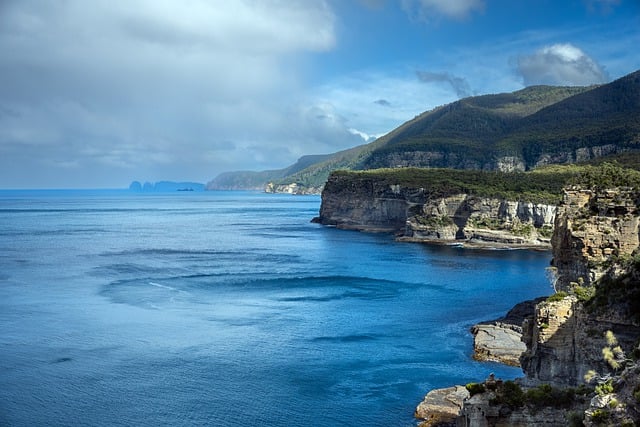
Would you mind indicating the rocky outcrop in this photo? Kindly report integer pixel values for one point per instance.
(440, 407)
(497, 343)
(501, 340)
(583, 335)
(368, 204)
(416, 215)
(596, 234)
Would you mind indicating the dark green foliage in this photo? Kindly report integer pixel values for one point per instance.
(475, 388)
(511, 394)
(606, 175)
(540, 186)
(622, 292)
(584, 293)
(548, 396)
(575, 418)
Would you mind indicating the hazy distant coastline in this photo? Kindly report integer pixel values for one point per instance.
(162, 186)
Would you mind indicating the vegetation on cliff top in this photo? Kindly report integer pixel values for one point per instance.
(542, 185)
(539, 186)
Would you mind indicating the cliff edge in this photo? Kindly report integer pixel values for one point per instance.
(582, 358)
(361, 201)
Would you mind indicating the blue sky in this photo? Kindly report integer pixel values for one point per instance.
(99, 93)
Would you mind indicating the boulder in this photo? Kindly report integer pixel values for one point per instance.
(441, 407)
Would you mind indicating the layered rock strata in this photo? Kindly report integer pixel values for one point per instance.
(584, 335)
(416, 215)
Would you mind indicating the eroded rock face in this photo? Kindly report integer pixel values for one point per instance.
(415, 215)
(476, 219)
(367, 205)
(590, 230)
(500, 340)
(594, 233)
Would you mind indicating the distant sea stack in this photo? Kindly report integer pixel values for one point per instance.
(165, 186)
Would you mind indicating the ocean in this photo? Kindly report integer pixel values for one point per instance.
(232, 309)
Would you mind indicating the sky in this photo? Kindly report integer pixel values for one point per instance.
(96, 94)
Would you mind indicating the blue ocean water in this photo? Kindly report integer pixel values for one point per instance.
(232, 309)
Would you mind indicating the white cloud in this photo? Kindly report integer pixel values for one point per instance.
(428, 9)
(560, 64)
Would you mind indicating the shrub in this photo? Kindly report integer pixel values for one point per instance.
(475, 388)
(511, 394)
(605, 388)
(584, 293)
(546, 395)
(558, 296)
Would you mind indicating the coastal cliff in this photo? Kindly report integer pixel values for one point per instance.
(583, 343)
(419, 214)
(594, 244)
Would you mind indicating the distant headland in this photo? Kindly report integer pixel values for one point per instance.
(165, 186)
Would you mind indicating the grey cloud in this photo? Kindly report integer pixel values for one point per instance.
(382, 102)
(458, 84)
(560, 64)
(142, 89)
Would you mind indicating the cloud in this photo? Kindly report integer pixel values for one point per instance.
(151, 87)
(560, 64)
(382, 102)
(399, 92)
(428, 9)
(459, 84)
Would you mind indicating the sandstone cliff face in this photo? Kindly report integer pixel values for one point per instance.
(480, 219)
(367, 204)
(596, 250)
(591, 230)
(594, 231)
(416, 215)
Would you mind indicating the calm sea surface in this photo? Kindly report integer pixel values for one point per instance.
(232, 309)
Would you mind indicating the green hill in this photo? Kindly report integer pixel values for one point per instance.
(521, 130)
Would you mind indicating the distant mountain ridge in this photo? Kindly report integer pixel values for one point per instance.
(522, 130)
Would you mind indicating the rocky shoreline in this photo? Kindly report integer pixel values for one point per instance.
(573, 346)
(577, 343)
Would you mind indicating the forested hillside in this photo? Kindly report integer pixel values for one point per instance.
(517, 131)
